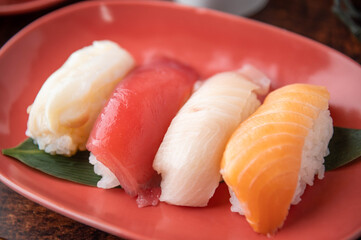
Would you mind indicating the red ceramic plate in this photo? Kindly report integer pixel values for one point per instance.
(210, 42)
(10, 7)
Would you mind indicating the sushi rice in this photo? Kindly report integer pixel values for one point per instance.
(108, 180)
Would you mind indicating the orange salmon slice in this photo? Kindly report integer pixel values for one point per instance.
(262, 160)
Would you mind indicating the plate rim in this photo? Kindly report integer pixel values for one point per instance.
(88, 4)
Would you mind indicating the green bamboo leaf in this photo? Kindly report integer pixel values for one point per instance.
(76, 168)
(345, 146)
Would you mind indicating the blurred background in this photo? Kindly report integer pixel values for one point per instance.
(335, 23)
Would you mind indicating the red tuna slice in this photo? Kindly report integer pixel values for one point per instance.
(130, 129)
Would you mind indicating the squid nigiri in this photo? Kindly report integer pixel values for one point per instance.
(67, 105)
(277, 151)
(190, 154)
(131, 127)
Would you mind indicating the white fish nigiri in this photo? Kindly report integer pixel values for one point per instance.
(67, 105)
(190, 154)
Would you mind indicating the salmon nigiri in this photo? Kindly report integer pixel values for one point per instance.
(190, 154)
(131, 127)
(277, 151)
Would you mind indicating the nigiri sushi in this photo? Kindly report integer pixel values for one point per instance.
(277, 151)
(131, 126)
(67, 105)
(190, 154)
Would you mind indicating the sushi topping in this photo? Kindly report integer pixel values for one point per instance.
(277, 151)
(190, 154)
(67, 105)
(257, 77)
(164, 135)
(129, 130)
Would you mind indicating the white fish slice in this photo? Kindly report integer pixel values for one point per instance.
(63, 113)
(190, 154)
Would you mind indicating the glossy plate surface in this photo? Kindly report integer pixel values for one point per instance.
(210, 42)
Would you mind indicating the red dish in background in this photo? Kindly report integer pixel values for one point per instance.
(11, 7)
(210, 42)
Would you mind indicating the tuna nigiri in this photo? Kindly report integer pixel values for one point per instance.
(131, 127)
(190, 154)
(277, 151)
(67, 105)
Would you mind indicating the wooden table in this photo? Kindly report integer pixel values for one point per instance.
(21, 218)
